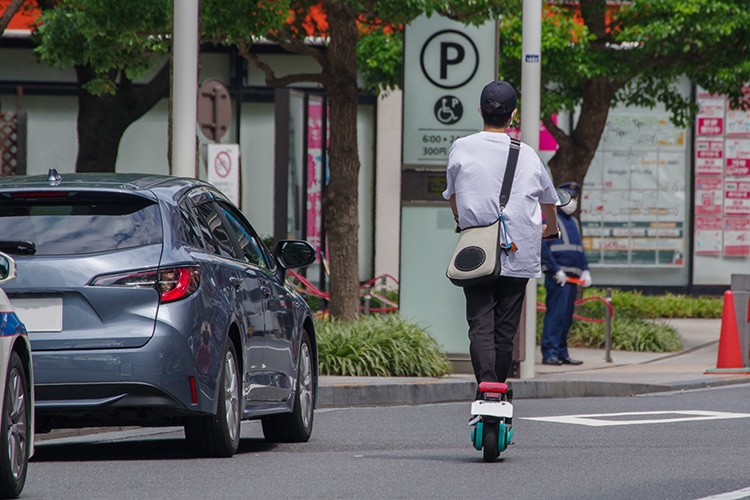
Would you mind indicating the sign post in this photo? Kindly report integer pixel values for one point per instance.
(531, 83)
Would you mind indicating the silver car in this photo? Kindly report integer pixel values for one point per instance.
(151, 301)
(16, 379)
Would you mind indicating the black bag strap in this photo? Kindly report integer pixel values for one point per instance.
(510, 172)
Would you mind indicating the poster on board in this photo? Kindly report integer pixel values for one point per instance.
(708, 196)
(708, 235)
(710, 118)
(709, 157)
(736, 237)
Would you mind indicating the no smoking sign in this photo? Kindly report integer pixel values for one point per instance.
(223, 165)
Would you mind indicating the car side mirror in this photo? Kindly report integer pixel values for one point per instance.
(291, 254)
(563, 197)
(7, 268)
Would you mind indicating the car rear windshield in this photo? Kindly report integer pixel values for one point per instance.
(72, 223)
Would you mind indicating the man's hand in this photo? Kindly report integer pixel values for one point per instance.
(561, 277)
(586, 277)
(550, 232)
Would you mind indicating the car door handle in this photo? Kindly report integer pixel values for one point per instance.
(237, 282)
(266, 291)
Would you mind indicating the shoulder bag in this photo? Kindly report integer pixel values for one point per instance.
(476, 259)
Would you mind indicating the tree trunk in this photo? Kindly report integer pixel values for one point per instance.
(574, 153)
(340, 202)
(102, 120)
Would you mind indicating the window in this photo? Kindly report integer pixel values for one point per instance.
(248, 240)
(190, 231)
(71, 223)
(214, 230)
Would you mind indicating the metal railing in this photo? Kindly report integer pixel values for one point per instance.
(609, 313)
(367, 293)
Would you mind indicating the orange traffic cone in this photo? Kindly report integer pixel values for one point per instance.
(729, 359)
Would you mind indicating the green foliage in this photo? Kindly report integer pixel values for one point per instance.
(667, 305)
(377, 345)
(379, 57)
(238, 21)
(111, 36)
(641, 47)
(633, 326)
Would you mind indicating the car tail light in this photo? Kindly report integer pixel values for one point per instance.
(41, 194)
(178, 283)
(172, 284)
(145, 279)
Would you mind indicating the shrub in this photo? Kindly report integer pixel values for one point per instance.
(632, 328)
(378, 345)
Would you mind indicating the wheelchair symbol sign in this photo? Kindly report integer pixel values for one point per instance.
(448, 109)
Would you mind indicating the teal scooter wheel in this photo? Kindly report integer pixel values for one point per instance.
(502, 438)
(476, 435)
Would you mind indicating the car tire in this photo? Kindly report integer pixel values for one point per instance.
(296, 427)
(15, 435)
(219, 435)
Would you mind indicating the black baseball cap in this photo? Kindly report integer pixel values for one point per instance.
(498, 98)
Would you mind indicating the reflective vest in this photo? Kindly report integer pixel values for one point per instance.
(566, 252)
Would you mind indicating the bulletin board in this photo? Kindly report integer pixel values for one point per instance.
(634, 208)
(722, 180)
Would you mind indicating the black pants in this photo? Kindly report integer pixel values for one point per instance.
(493, 312)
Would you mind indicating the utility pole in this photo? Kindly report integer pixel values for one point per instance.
(184, 88)
(531, 82)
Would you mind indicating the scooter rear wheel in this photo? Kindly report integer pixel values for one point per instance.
(490, 449)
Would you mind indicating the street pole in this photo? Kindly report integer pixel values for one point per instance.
(531, 81)
(184, 88)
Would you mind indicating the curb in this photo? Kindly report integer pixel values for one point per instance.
(428, 391)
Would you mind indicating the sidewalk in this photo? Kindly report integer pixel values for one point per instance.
(629, 373)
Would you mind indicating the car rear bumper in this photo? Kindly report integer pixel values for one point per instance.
(145, 386)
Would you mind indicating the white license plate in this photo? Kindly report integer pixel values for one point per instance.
(40, 314)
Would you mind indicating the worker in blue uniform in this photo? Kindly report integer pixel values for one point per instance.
(562, 258)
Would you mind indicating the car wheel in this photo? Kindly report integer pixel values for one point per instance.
(296, 427)
(219, 435)
(14, 441)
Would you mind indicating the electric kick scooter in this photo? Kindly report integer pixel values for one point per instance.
(491, 424)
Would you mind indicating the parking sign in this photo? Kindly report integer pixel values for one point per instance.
(446, 65)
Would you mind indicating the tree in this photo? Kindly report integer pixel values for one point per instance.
(341, 24)
(10, 11)
(596, 54)
(110, 43)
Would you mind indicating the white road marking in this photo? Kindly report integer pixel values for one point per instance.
(602, 419)
(730, 495)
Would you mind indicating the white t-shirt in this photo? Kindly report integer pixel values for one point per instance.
(476, 166)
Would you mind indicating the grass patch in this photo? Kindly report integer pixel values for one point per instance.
(633, 328)
(378, 345)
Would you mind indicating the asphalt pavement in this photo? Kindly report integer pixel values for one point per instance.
(627, 374)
